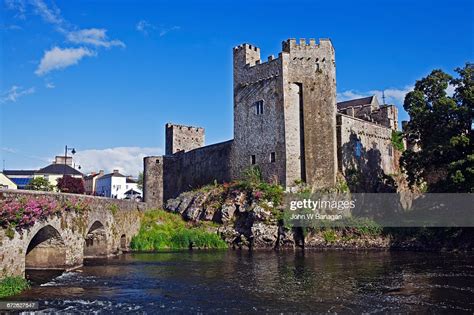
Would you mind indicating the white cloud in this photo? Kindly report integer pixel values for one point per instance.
(128, 160)
(14, 93)
(11, 27)
(392, 95)
(450, 90)
(50, 15)
(18, 6)
(144, 27)
(50, 85)
(93, 36)
(165, 31)
(59, 58)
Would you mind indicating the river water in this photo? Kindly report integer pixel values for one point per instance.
(243, 282)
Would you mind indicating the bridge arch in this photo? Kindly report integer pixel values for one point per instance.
(46, 250)
(95, 243)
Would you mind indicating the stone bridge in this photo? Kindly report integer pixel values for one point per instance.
(61, 242)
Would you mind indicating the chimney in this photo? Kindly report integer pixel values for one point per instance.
(116, 171)
(101, 172)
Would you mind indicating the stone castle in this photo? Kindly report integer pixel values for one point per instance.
(286, 122)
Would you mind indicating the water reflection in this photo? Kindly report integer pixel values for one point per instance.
(239, 281)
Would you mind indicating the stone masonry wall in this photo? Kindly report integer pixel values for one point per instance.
(363, 145)
(120, 220)
(310, 66)
(193, 169)
(261, 135)
(183, 138)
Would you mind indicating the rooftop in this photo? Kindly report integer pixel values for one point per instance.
(59, 169)
(19, 172)
(356, 102)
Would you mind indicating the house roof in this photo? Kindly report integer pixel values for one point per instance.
(19, 172)
(132, 192)
(59, 169)
(114, 174)
(356, 102)
(131, 181)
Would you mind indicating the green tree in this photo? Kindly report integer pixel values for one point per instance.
(440, 130)
(140, 181)
(39, 183)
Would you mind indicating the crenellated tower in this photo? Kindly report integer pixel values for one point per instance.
(285, 113)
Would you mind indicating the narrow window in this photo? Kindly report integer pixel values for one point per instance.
(272, 157)
(390, 150)
(259, 107)
(253, 160)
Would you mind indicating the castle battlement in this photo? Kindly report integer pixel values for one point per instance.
(181, 127)
(292, 44)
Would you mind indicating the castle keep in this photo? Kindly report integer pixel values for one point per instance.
(286, 122)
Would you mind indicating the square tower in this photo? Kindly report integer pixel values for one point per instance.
(285, 113)
(181, 138)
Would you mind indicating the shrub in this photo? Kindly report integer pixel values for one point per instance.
(162, 230)
(39, 183)
(12, 285)
(72, 185)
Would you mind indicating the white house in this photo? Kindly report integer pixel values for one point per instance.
(116, 185)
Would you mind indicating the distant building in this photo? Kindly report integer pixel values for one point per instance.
(51, 172)
(132, 190)
(54, 171)
(90, 182)
(115, 185)
(21, 178)
(6, 183)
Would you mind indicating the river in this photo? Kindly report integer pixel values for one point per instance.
(243, 282)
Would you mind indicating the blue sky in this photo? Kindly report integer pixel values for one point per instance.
(105, 76)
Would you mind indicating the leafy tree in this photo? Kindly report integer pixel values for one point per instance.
(72, 185)
(39, 183)
(397, 140)
(440, 130)
(140, 181)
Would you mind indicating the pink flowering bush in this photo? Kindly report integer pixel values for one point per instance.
(21, 213)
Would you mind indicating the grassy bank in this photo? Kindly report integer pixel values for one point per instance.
(163, 230)
(12, 285)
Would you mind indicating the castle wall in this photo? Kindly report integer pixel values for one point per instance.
(364, 145)
(258, 134)
(153, 180)
(312, 67)
(196, 168)
(183, 138)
